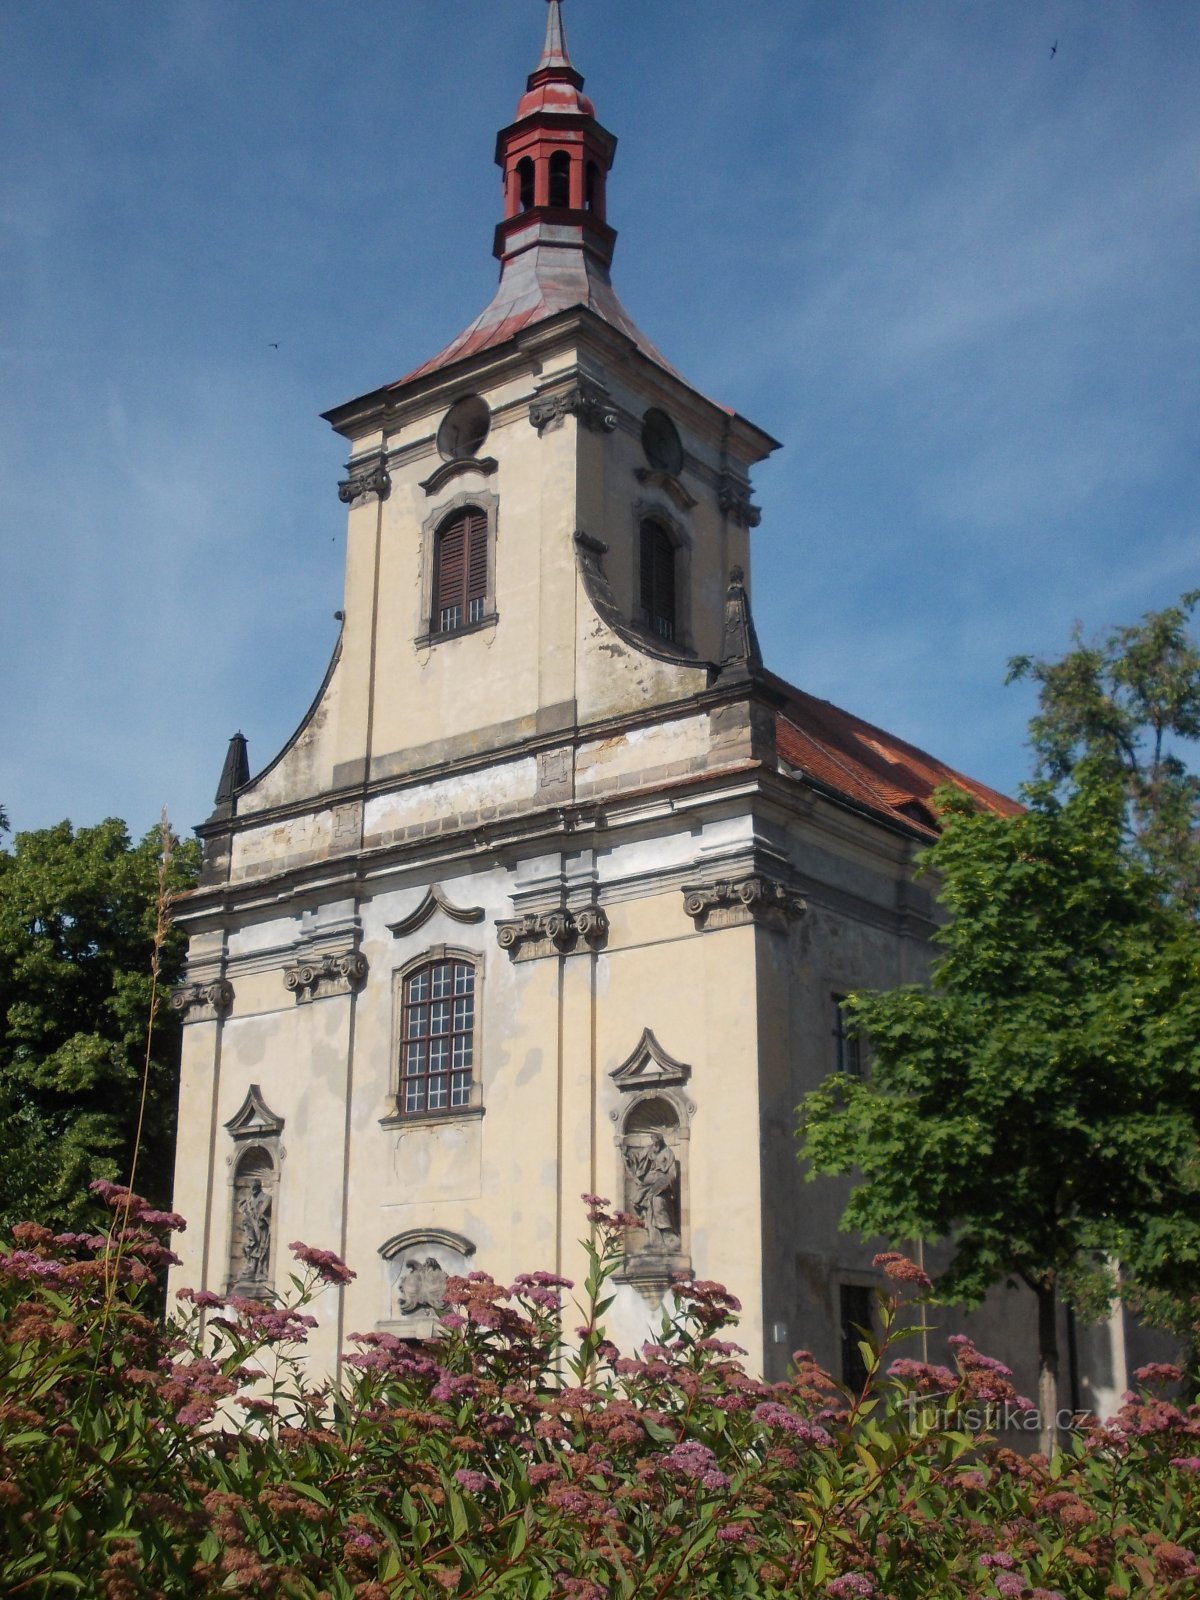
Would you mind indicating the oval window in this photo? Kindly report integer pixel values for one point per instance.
(661, 442)
(464, 428)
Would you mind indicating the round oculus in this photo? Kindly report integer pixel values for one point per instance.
(464, 428)
(661, 442)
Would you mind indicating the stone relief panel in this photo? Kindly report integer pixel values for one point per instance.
(418, 1265)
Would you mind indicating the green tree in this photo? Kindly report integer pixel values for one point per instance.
(1130, 702)
(1037, 1105)
(78, 912)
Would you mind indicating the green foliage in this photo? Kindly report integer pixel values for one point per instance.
(1038, 1105)
(196, 1461)
(78, 913)
(1131, 703)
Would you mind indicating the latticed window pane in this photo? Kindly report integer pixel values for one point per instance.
(438, 1039)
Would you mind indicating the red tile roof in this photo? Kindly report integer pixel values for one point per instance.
(868, 765)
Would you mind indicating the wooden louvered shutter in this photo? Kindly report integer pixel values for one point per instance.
(477, 565)
(658, 579)
(451, 570)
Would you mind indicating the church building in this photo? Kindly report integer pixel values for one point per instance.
(556, 889)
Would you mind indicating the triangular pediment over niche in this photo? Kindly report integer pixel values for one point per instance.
(434, 901)
(255, 1119)
(650, 1065)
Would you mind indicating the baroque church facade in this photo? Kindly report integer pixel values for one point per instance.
(556, 889)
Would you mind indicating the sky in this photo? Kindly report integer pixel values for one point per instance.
(955, 270)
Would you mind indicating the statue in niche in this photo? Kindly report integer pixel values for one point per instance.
(654, 1190)
(421, 1287)
(255, 1210)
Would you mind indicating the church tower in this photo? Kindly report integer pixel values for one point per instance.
(555, 889)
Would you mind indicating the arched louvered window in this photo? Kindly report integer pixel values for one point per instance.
(525, 182)
(657, 588)
(460, 571)
(560, 179)
(437, 1037)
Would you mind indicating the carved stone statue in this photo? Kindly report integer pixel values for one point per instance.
(255, 1210)
(654, 1191)
(421, 1286)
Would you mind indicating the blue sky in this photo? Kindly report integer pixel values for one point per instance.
(957, 276)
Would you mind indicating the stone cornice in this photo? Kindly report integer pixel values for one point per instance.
(527, 353)
(697, 703)
(369, 875)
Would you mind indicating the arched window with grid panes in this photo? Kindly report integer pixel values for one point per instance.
(657, 587)
(460, 571)
(437, 1037)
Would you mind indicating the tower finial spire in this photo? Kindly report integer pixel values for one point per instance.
(554, 51)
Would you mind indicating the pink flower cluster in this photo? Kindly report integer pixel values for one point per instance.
(775, 1415)
(327, 1265)
(691, 1459)
(901, 1270)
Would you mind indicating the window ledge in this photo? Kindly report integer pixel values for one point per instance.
(424, 640)
(425, 1119)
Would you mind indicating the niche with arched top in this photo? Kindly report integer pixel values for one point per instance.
(653, 1144)
(252, 1224)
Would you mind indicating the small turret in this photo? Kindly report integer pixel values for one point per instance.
(555, 158)
(235, 774)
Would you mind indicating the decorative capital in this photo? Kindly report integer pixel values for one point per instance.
(731, 902)
(202, 1002)
(326, 975)
(547, 933)
(586, 402)
(368, 480)
(734, 500)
